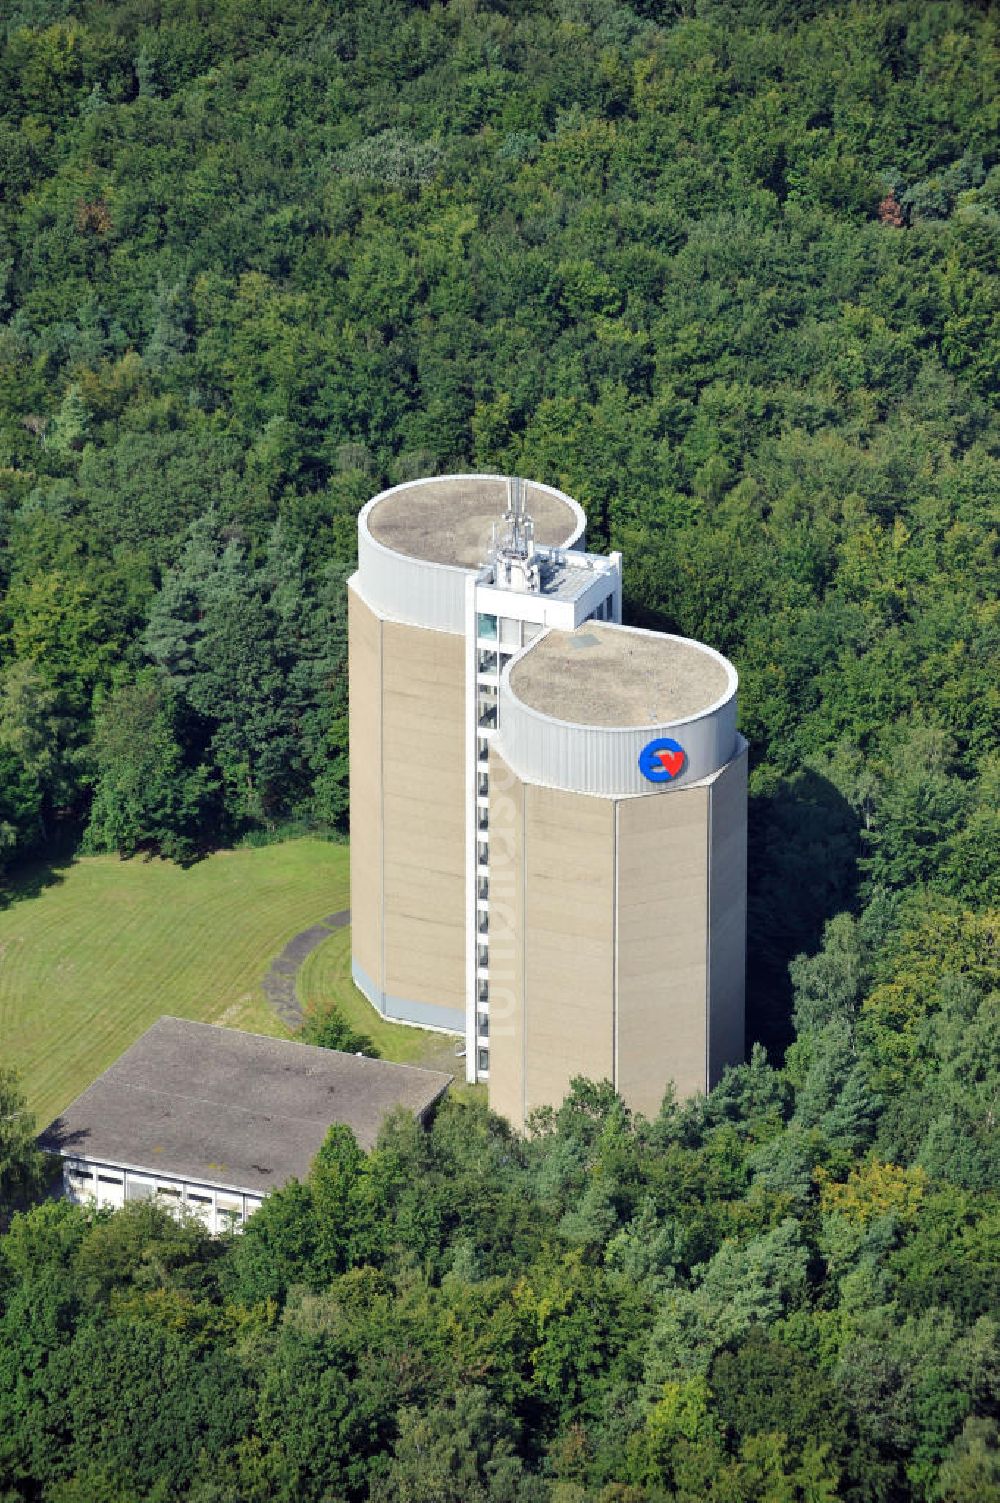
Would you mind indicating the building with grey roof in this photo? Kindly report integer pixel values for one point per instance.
(212, 1119)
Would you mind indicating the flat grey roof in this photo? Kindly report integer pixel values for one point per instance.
(567, 577)
(221, 1107)
(449, 520)
(608, 675)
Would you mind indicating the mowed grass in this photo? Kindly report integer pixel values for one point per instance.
(325, 977)
(88, 962)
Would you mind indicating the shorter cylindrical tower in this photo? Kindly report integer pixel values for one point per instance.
(617, 903)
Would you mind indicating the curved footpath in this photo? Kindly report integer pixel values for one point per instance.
(279, 983)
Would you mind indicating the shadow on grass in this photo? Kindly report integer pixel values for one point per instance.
(32, 878)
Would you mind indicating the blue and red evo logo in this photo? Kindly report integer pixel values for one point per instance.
(661, 761)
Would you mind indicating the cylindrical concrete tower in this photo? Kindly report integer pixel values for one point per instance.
(412, 714)
(617, 878)
(548, 810)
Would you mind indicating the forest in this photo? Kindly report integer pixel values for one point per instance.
(725, 271)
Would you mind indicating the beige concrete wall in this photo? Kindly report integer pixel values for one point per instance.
(551, 942)
(423, 803)
(569, 941)
(365, 668)
(556, 1003)
(507, 927)
(728, 909)
(662, 945)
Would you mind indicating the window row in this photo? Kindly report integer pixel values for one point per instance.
(110, 1187)
(509, 634)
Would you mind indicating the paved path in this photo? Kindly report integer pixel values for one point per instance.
(279, 983)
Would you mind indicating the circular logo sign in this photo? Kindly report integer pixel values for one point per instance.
(661, 761)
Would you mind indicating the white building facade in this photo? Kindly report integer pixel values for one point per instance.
(220, 1208)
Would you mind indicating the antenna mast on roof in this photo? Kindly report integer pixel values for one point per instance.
(513, 549)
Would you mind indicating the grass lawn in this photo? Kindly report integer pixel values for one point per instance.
(88, 961)
(326, 977)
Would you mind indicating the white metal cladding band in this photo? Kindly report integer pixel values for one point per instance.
(604, 760)
(411, 590)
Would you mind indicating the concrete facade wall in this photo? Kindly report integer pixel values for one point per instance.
(569, 931)
(408, 836)
(551, 941)
(616, 938)
(662, 945)
(423, 731)
(364, 632)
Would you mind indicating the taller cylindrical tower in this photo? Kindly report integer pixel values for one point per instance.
(419, 545)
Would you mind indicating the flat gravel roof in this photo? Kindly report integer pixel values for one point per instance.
(449, 520)
(613, 676)
(211, 1104)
